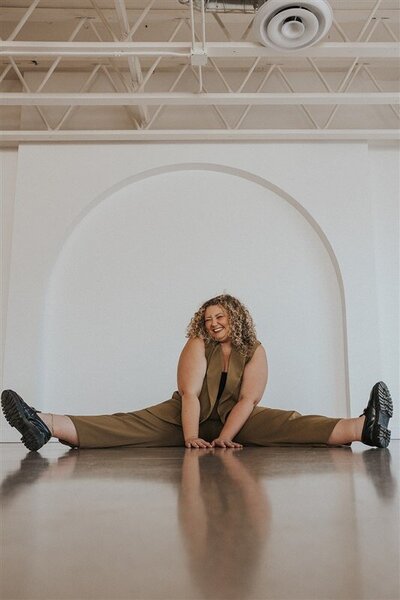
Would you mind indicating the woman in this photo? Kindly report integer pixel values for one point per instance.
(222, 374)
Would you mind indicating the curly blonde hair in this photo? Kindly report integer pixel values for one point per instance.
(243, 333)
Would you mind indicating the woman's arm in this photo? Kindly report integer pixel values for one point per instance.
(255, 377)
(192, 368)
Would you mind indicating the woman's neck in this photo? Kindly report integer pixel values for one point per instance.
(226, 347)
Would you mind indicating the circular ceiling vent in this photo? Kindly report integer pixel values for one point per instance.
(292, 25)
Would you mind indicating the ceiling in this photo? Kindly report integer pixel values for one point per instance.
(87, 70)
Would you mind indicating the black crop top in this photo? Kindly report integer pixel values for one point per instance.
(222, 383)
(214, 413)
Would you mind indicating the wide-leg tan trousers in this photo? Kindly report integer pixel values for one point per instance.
(142, 429)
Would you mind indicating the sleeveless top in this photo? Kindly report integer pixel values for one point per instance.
(216, 398)
(214, 413)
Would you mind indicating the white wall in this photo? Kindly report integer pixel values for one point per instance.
(133, 272)
(384, 191)
(115, 246)
(8, 176)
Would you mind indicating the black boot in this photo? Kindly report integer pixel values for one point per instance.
(24, 418)
(377, 414)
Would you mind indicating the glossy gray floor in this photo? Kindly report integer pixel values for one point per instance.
(274, 523)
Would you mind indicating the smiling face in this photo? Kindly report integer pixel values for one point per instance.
(216, 322)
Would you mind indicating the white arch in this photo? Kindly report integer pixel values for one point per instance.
(243, 174)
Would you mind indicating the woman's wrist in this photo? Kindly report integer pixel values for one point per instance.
(236, 419)
(190, 415)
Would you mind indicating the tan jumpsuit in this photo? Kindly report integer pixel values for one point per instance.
(160, 425)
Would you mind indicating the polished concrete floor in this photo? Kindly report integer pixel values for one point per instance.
(254, 523)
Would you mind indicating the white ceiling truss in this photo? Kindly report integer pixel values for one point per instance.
(68, 68)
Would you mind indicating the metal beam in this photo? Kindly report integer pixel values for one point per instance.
(155, 64)
(24, 19)
(57, 61)
(183, 49)
(345, 11)
(9, 138)
(171, 89)
(112, 63)
(191, 99)
(259, 88)
(133, 61)
(291, 88)
(27, 88)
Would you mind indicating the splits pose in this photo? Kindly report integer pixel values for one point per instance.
(222, 374)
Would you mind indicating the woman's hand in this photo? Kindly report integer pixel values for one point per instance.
(197, 442)
(224, 442)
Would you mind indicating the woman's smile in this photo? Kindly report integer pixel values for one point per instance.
(217, 322)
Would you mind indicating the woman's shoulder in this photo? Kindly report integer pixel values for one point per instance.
(195, 341)
(197, 344)
(193, 350)
(252, 349)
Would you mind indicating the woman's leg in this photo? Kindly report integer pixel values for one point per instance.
(61, 427)
(370, 428)
(347, 431)
(139, 428)
(269, 427)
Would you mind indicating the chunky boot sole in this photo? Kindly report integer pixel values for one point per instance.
(381, 436)
(35, 432)
(385, 404)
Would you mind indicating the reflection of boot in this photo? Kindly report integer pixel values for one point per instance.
(377, 464)
(31, 467)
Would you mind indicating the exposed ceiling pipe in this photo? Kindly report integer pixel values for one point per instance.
(242, 6)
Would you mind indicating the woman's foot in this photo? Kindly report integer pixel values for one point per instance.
(379, 410)
(24, 418)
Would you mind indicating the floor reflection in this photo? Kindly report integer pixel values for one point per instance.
(227, 477)
(224, 515)
(233, 535)
(378, 468)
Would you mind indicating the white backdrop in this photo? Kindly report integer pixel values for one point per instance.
(115, 246)
(136, 268)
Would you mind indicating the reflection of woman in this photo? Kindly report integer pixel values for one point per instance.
(222, 374)
(224, 515)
